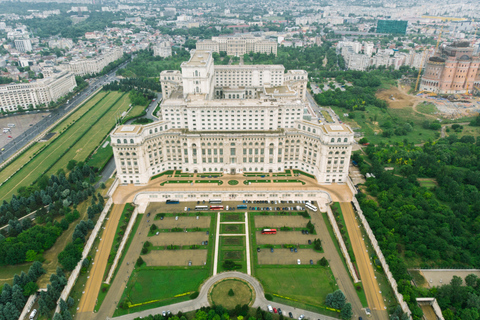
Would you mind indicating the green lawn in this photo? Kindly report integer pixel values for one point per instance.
(309, 285)
(77, 140)
(427, 183)
(25, 157)
(372, 122)
(152, 283)
(427, 107)
(7, 272)
(256, 181)
(175, 181)
(101, 156)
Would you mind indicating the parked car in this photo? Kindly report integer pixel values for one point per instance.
(274, 310)
(271, 249)
(258, 249)
(270, 309)
(298, 261)
(301, 317)
(295, 249)
(279, 311)
(290, 315)
(311, 261)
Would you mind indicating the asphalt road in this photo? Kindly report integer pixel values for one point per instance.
(23, 139)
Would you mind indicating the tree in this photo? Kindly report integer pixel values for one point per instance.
(140, 261)
(471, 280)
(335, 300)
(57, 316)
(346, 312)
(231, 293)
(30, 288)
(324, 262)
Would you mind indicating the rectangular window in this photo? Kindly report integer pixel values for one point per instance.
(232, 152)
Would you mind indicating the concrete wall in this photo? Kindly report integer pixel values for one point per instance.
(343, 247)
(378, 251)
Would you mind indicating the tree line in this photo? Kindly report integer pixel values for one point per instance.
(128, 84)
(438, 226)
(52, 197)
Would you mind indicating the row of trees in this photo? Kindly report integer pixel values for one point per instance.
(48, 299)
(134, 83)
(437, 226)
(71, 255)
(13, 298)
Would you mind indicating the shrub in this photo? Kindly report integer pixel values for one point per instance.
(268, 296)
(153, 228)
(140, 261)
(194, 295)
(323, 262)
(231, 293)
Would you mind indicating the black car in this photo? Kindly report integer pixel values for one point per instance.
(311, 261)
(303, 231)
(279, 311)
(148, 214)
(290, 315)
(258, 249)
(309, 241)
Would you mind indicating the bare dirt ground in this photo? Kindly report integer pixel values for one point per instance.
(175, 257)
(182, 222)
(437, 278)
(284, 256)
(284, 237)
(92, 287)
(280, 221)
(367, 275)
(402, 98)
(178, 238)
(428, 312)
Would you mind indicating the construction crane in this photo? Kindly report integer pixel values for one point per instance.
(438, 40)
(420, 69)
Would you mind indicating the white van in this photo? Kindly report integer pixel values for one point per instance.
(11, 125)
(270, 309)
(33, 314)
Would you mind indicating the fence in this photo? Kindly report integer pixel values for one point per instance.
(343, 247)
(75, 273)
(378, 251)
(122, 245)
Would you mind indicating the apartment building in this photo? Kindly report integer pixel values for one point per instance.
(35, 93)
(206, 127)
(23, 45)
(238, 45)
(164, 49)
(92, 66)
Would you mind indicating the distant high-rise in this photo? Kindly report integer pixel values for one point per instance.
(392, 26)
(23, 45)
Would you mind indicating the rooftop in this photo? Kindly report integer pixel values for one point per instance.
(198, 58)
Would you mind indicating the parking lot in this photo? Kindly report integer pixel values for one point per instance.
(284, 237)
(22, 123)
(280, 221)
(183, 222)
(198, 257)
(285, 256)
(178, 238)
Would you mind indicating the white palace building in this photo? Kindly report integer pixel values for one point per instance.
(232, 119)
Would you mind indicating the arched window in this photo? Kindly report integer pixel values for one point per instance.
(124, 140)
(345, 140)
(119, 141)
(121, 153)
(151, 131)
(131, 141)
(127, 154)
(332, 140)
(339, 140)
(232, 143)
(134, 154)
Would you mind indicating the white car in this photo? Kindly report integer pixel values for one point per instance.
(298, 261)
(301, 317)
(270, 309)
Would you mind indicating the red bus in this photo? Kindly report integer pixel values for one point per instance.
(269, 231)
(216, 207)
